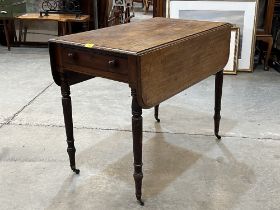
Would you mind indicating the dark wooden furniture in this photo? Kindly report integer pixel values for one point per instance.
(264, 33)
(90, 8)
(167, 57)
(159, 8)
(6, 23)
(103, 13)
(9, 9)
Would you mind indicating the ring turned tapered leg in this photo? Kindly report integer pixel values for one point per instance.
(67, 111)
(156, 113)
(218, 97)
(137, 128)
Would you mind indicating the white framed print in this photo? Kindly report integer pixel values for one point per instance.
(241, 14)
(231, 67)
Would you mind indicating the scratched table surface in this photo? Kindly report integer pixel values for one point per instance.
(142, 36)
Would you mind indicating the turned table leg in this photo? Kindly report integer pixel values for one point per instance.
(67, 111)
(156, 113)
(218, 97)
(137, 128)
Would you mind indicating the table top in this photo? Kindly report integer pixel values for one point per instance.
(54, 17)
(158, 57)
(139, 37)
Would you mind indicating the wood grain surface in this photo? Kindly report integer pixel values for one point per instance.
(54, 17)
(139, 37)
(167, 71)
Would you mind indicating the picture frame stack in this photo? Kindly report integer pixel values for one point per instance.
(242, 14)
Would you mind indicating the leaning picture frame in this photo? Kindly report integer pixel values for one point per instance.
(239, 13)
(231, 67)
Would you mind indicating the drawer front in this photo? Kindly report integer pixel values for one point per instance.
(94, 61)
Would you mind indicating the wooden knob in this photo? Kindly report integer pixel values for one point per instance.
(112, 63)
(70, 55)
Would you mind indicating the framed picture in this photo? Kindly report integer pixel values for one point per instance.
(239, 13)
(231, 67)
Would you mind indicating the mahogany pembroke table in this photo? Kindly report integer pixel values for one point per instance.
(157, 58)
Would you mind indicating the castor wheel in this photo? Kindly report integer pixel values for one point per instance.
(77, 171)
(140, 201)
(218, 136)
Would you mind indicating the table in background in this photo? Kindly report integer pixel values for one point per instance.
(63, 20)
(157, 58)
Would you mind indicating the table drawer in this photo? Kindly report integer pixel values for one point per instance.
(93, 60)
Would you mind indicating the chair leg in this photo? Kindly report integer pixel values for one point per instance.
(14, 31)
(24, 34)
(7, 34)
(269, 48)
(69, 24)
(20, 32)
(64, 28)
